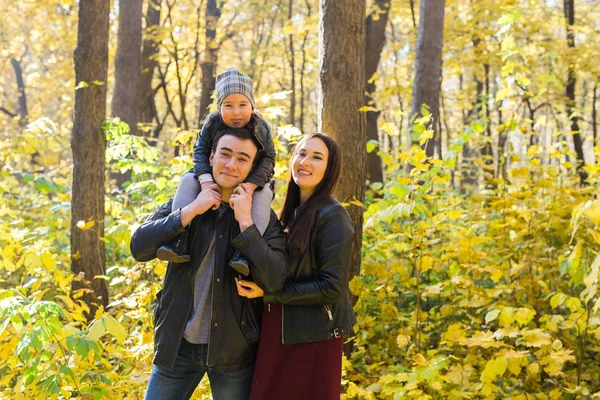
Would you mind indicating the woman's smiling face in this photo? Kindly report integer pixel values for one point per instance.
(309, 164)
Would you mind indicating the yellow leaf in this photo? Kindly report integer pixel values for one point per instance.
(426, 263)
(85, 225)
(524, 315)
(419, 361)
(493, 369)
(454, 215)
(535, 338)
(573, 303)
(496, 275)
(426, 135)
(592, 211)
(402, 340)
(48, 261)
(404, 181)
(533, 371)
(595, 235)
(557, 299)
(115, 328)
(507, 316)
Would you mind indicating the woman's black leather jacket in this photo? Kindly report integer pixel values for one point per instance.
(316, 297)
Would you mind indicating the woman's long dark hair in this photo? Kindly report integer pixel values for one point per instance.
(298, 219)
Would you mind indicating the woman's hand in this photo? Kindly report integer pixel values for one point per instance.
(248, 289)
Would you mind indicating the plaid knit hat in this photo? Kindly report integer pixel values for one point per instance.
(233, 81)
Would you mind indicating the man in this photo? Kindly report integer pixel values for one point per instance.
(201, 323)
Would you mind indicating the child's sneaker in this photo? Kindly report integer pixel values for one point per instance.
(174, 252)
(239, 263)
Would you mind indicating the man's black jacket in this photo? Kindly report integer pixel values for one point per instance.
(234, 329)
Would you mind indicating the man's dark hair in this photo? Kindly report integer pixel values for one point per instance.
(241, 133)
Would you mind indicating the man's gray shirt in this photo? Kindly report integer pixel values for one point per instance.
(198, 326)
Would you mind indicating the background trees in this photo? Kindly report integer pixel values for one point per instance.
(478, 264)
(88, 254)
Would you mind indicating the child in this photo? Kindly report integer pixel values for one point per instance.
(235, 109)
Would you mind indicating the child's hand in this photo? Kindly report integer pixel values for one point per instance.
(249, 187)
(241, 203)
(206, 186)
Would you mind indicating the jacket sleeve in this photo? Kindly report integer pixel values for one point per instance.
(202, 149)
(262, 173)
(153, 234)
(267, 254)
(335, 233)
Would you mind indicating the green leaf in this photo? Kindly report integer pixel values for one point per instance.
(82, 347)
(66, 371)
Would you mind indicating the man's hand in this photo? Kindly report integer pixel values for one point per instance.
(248, 289)
(206, 200)
(211, 186)
(241, 203)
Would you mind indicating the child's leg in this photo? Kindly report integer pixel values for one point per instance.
(261, 208)
(187, 191)
(261, 214)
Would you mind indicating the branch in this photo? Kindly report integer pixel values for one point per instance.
(9, 113)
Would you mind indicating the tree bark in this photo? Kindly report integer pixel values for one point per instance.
(303, 68)
(211, 55)
(128, 63)
(88, 255)
(428, 65)
(147, 106)
(292, 66)
(341, 91)
(22, 97)
(375, 40)
(595, 114)
(569, 10)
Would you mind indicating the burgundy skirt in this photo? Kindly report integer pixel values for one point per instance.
(306, 371)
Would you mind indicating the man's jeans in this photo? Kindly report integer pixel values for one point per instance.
(190, 367)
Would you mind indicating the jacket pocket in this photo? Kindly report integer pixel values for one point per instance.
(249, 323)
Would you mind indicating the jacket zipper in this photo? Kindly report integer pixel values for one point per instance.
(258, 139)
(212, 299)
(328, 311)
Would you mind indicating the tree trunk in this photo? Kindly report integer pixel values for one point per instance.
(147, 105)
(341, 91)
(569, 10)
(595, 114)
(375, 40)
(22, 100)
(209, 65)
(428, 65)
(88, 255)
(292, 66)
(127, 71)
(128, 63)
(303, 69)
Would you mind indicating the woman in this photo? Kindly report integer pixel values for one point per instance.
(301, 341)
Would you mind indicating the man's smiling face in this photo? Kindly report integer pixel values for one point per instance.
(232, 161)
